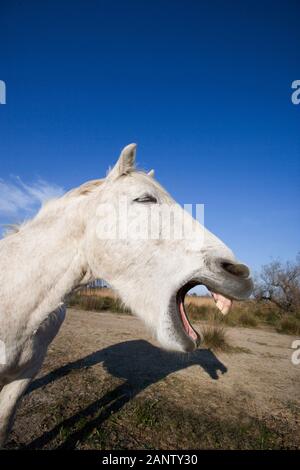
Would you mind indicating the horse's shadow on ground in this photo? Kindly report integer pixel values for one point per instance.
(139, 364)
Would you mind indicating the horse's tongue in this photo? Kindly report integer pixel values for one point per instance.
(222, 302)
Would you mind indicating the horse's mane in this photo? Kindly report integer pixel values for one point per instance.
(82, 190)
(10, 229)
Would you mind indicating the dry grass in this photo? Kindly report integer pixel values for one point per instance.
(111, 387)
(199, 301)
(98, 303)
(249, 314)
(289, 325)
(215, 337)
(97, 292)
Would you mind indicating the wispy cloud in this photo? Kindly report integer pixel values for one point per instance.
(21, 200)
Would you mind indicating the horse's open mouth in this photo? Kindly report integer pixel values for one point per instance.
(222, 302)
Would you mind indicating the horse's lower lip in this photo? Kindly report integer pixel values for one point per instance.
(184, 318)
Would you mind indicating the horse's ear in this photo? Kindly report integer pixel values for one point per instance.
(125, 163)
(151, 173)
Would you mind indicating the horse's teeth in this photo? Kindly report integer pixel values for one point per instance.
(222, 303)
(223, 308)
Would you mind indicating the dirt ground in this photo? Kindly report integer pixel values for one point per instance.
(106, 384)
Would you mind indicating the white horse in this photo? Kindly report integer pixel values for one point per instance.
(80, 237)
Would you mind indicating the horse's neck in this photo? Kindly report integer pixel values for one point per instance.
(43, 262)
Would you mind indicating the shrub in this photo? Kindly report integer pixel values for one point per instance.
(97, 303)
(289, 325)
(199, 312)
(215, 338)
(247, 319)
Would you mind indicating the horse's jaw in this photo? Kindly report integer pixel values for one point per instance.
(175, 331)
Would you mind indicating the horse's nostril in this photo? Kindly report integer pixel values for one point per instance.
(239, 270)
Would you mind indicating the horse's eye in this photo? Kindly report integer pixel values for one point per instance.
(146, 199)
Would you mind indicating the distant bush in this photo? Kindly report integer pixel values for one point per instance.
(250, 313)
(97, 303)
(200, 312)
(239, 315)
(248, 319)
(279, 284)
(289, 325)
(269, 315)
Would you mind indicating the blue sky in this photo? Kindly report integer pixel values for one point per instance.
(203, 87)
